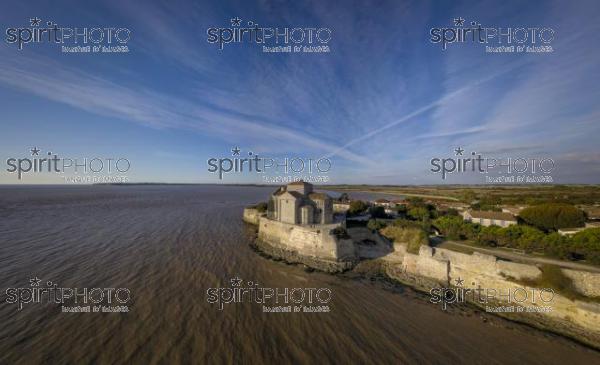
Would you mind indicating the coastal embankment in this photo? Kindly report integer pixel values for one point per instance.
(515, 291)
(501, 287)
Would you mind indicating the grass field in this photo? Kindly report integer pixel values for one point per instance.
(505, 194)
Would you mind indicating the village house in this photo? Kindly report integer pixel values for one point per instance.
(592, 211)
(383, 203)
(486, 218)
(393, 212)
(296, 203)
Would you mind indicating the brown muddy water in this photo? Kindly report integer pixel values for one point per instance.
(169, 244)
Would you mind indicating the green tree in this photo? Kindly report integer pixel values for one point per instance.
(450, 226)
(401, 210)
(377, 212)
(489, 236)
(558, 245)
(531, 239)
(357, 207)
(418, 213)
(553, 216)
(587, 243)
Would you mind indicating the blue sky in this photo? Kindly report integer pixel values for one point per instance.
(380, 104)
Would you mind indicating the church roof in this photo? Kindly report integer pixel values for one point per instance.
(295, 194)
(280, 190)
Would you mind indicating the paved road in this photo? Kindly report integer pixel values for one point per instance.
(521, 257)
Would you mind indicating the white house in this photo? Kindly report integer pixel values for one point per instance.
(486, 218)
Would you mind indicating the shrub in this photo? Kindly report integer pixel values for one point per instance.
(413, 237)
(418, 213)
(376, 225)
(405, 223)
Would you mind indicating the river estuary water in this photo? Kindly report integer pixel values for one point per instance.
(168, 244)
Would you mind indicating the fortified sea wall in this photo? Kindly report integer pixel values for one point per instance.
(316, 246)
(438, 267)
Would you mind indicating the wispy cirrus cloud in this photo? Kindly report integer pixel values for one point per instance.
(384, 99)
(147, 107)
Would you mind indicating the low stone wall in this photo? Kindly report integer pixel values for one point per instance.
(433, 268)
(252, 216)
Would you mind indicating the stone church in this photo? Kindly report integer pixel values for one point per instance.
(296, 203)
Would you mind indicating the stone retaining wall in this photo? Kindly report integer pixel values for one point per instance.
(317, 242)
(442, 268)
